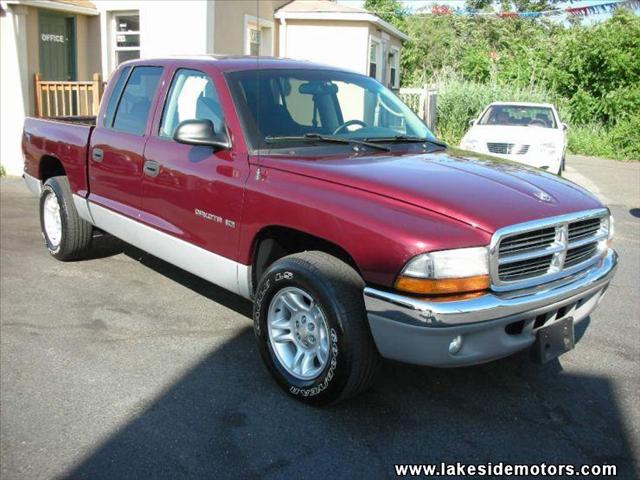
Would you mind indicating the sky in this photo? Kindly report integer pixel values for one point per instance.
(416, 4)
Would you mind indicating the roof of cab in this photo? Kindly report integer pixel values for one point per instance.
(227, 63)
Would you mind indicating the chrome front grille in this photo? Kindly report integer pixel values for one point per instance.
(507, 148)
(525, 268)
(580, 254)
(583, 229)
(536, 252)
(527, 241)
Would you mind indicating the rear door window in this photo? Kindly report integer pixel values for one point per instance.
(133, 109)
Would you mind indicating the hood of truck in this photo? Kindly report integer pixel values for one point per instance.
(484, 192)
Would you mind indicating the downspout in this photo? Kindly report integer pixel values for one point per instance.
(282, 40)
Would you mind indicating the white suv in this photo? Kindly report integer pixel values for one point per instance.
(529, 133)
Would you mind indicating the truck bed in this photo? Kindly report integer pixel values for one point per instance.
(63, 138)
(78, 120)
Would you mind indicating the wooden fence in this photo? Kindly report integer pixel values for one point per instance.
(423, 101)
(60, 99)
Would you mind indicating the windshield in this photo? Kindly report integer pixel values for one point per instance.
(295, 103)
(519, 115)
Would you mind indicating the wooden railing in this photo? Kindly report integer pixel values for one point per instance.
(423, 101)
(60, 99)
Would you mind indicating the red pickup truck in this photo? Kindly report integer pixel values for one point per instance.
(319, 195)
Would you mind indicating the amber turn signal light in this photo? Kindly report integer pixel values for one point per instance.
(429, 286)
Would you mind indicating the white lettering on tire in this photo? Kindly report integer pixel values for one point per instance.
(310, 392)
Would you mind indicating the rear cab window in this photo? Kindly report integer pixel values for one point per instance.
(132, 110)
(107, 119)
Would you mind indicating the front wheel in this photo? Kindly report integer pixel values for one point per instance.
(312, 330)
(66, 235)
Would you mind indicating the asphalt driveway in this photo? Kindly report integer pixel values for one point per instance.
(123, 366)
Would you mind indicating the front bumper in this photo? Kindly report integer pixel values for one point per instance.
(492, 326)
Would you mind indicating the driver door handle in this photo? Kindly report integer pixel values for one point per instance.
(97, 155)
(151, 168)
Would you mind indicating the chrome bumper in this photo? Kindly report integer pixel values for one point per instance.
(419, 331)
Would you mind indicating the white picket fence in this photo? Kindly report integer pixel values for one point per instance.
(423, 101)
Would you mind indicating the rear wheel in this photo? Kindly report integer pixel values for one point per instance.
(66, 235)
(312, 330)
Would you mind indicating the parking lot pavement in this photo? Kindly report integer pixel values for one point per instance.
(123, 366)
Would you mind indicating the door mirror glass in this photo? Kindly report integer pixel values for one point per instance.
(472, 122)
(565, 127)
(200, 132)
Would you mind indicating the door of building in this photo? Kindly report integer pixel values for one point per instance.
(57, 46)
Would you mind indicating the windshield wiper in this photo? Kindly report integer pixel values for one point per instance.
(315, 137)
(405, 139)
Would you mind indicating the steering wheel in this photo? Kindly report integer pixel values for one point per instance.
(538, 122)
(346, 125)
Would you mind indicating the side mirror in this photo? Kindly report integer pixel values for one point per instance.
(200, 132)
(472, 122)
(565, 127)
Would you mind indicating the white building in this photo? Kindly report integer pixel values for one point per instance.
(71, 40)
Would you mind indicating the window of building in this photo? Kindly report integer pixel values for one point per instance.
(135, 102)
(192, 96)
(374, 59)
(258, 36)
(394, 68)
(126, 36)
(254, 41)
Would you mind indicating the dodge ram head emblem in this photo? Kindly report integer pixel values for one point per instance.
(545, 197)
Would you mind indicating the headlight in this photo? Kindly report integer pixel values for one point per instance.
(609, 225)
(548, 148)
(446, 272)
(606, 226)
(470, 144)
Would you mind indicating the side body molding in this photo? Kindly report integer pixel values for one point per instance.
(226, 273)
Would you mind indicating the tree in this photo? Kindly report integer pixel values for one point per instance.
(391, 11)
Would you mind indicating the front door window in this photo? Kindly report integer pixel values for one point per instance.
(192, 96)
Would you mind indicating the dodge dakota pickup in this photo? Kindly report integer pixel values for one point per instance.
(316, 193)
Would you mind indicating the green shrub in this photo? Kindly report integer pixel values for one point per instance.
(592, 140)
(620, 142)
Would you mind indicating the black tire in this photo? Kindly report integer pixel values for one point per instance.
(76, 232)
(337, 289)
